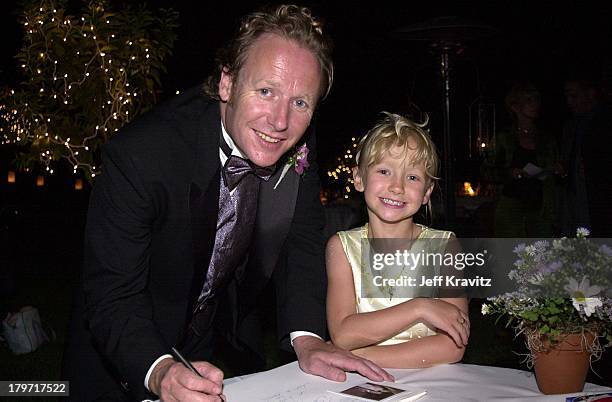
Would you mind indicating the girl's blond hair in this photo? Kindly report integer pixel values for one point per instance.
(395, 130)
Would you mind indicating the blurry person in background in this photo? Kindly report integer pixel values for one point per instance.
(586, 160)
(527, 203)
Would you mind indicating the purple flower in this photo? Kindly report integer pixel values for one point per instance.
(552, 267)
(519, 249)
(300, 160)
(606, 250)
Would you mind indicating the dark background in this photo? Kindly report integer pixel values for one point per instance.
(544, 41)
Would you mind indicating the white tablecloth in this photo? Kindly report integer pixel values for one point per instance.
(450, 382)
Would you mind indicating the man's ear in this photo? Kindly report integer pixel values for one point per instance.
(428, 192)
(358, 181)
(225, 85)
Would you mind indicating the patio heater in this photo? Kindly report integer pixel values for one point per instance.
(446, 37)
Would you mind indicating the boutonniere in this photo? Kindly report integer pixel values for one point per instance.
(298, 161)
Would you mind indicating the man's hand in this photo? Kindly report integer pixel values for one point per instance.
(329, 361)
(172, 381)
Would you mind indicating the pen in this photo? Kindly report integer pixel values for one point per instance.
(186, 362)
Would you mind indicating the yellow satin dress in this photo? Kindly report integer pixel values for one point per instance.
(352, 244)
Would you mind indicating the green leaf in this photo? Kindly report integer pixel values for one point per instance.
(530, 315)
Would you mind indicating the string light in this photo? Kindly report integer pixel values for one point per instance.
(341, 176)
(64, 88)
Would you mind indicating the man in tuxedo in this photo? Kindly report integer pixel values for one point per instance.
(199, 206)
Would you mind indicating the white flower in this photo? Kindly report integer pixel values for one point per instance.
(541, 245)
(530, 250)
(582, 232)
(486, 309)
(536, 279)
(581, 295)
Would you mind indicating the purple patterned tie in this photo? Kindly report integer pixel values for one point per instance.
(235, 223)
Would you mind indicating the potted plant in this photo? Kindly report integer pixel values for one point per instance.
(563, 306)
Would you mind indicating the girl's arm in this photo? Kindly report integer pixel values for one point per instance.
(351, 330)
(418, 353)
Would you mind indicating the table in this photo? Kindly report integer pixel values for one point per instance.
(448, 382)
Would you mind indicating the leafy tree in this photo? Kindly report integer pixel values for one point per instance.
(84, 77)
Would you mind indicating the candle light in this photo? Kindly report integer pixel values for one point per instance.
(469, 190)
(40, 181)
(78, 184)
(11, 177)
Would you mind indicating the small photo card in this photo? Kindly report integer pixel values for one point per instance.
(387, 392)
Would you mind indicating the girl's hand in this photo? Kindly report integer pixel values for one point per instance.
(448, 318)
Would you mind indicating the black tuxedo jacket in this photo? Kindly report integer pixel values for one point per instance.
(149, 237)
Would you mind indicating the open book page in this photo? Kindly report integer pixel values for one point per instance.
(445, 382)
(290, 384)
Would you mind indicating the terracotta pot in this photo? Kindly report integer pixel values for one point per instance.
(563, 368)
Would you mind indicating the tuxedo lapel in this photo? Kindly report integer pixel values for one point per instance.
(274, 215)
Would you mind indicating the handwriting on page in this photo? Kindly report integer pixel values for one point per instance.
(302, 393)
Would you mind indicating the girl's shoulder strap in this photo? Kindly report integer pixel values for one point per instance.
(429, 233)
(353, 236)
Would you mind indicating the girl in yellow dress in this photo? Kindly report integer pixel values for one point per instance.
(396, 170)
